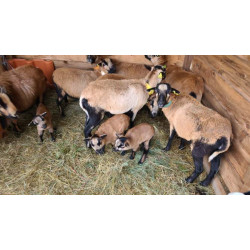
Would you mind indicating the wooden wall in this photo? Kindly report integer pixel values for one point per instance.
(227, 90)
(79, 61)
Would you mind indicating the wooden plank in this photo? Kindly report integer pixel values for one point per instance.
(73, 64)
(216, 183)
(236, 106)
(187, 62)
(235, 73)
(80, 58)
(1, 66)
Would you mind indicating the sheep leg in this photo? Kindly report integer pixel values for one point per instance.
(132, 156)
(183, 144)
(130, 114)
(51, 131)
(93, 121)
(145, 152)
(170, 140)
(198, 163)
(215, 163)
(61, 95)
(14, 122)
(40, 133)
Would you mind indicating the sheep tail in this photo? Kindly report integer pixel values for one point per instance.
(221, 146)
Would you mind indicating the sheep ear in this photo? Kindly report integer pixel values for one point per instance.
(175, 91)
(103, 136)
(31, 123)
(3, 90)
(150, 89)
(43, 114)
(147, 67)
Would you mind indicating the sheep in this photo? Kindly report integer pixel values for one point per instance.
(140, 134)
(117, 97)
(209, 132)
(70, 81)
(20, 88)
(106, 133)
(187, 83)
(43, 121)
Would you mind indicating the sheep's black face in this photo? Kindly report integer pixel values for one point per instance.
(7, 108)
(153, 105)
(98, 143)
(163, 91)
(121, 144)
(106, 66)
(91, 59)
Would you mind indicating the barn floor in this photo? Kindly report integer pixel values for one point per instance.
(68, 167)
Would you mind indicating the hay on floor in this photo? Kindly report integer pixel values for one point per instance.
(68, 167)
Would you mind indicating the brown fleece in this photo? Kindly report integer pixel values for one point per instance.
(185, 82)
(114, 125)
(24, 85)
(139, 134)
(120, 96)
(195, 122)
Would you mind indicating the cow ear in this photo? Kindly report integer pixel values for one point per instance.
(148, 67)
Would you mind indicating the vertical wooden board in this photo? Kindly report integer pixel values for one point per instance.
(187, 62)
(230, 175)
(1, 66)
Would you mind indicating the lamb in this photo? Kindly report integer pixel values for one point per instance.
(70, 81)
(106, 133)
(209, 133)
(20, 88)
(43, 121)
(117, 97)
(187, 83)
(140, 134)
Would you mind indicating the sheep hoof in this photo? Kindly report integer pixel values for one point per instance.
(205, 183)
(123, 153)
(181, 147)
(166, 149)
(131, 157)
(140, 162)
(189, 179)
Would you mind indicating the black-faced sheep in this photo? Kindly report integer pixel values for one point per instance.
(20, 89)
(209, 133)
(71, 82)
(106, 133)
(140, 134)
(187, 83)
(43, 121)
(117, 97)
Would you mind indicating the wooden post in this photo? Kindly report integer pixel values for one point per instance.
(187, 62)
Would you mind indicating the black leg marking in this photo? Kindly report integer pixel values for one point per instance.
(132, 156)
(52, 137)
(123, 153)
(41, 136)
(198, 163)
(182, 144)
(144, 156)
(215, 164)
(171, 137)
(130, 114)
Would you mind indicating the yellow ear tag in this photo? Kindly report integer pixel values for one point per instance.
(160, 76)
(164, 66)
(175, 93)
(151, 92)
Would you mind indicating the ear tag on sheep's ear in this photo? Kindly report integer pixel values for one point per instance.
(151, 92)
(164, 66)
(174, 92)
(160, 76)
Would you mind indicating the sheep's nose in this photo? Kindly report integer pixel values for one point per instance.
(112, 70)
